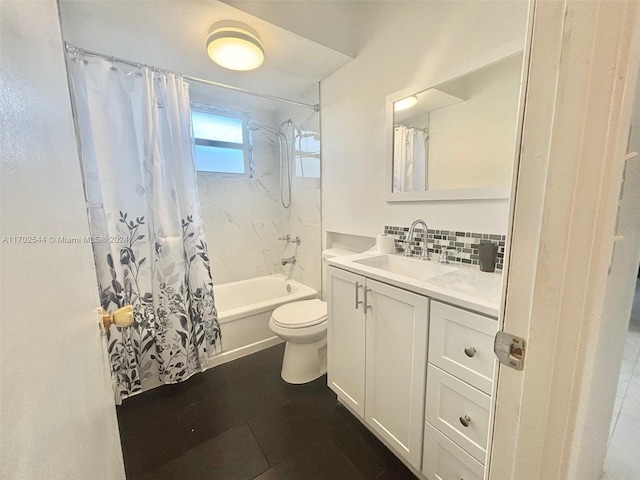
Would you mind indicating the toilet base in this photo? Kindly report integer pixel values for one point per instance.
(304, 362)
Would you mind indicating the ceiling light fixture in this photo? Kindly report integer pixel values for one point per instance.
(235, 46)
(405, 103)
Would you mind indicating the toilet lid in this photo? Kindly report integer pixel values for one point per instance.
(304, 313)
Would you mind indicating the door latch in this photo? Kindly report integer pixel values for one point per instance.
(510, 350)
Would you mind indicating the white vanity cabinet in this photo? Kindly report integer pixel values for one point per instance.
(377, 356)
(459, 382)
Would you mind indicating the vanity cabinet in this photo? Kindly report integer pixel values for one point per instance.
(418, 372)
(459, 382)
(377, 356)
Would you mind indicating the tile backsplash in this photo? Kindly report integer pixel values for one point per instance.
(466, 243)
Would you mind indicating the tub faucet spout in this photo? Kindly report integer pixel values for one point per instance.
(286, 261)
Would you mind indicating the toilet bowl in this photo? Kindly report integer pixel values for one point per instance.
(303, 326)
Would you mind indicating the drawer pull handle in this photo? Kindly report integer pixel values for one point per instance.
(470, 351)
(465, 421)
(358, 302)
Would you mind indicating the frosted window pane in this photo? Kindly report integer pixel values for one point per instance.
(216, 127)
(216, 159)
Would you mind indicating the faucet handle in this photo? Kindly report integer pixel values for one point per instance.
(444, 250)
(284, 237)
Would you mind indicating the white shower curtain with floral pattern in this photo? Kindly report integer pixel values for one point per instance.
(149, 246)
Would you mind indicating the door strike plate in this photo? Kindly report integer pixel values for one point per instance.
(510, 350)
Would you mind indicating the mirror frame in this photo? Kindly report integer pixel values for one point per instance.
(484, 193)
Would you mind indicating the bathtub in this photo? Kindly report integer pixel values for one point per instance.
(244, 310)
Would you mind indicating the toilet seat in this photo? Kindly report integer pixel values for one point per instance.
(300, 314)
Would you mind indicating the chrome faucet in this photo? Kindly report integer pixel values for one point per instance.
(286, 261)
(424, 255)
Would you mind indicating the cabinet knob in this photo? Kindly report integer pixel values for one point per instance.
(465, 421)
(470, 351)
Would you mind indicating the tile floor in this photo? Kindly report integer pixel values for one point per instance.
(241, 421)
(623, 456)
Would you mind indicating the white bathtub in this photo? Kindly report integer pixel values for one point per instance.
(244, 310)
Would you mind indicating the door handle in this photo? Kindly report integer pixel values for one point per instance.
(123, 317)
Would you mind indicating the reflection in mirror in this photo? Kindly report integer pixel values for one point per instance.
(459, 134)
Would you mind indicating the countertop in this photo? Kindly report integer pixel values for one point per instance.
(466, 287)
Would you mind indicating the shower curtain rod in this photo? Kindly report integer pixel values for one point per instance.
(73, 49)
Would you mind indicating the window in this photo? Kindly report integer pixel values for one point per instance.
(221, 141)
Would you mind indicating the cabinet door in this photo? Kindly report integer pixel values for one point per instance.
(397, 323)
(346, 337)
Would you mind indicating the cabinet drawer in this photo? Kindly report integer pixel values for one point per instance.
(459, 411)
(461, 343)
(444, 460)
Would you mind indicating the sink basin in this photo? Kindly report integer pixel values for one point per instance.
(408, 267)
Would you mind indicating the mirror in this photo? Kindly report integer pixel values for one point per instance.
(456, 140)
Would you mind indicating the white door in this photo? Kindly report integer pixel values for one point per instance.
(396, 331)
(57, 413)
(346, 337)
(567, 252)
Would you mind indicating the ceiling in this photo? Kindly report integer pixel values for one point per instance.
(171, 35)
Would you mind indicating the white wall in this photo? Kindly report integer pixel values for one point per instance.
(57, 413)
(418, 42)
(303, 218)
(243, 217)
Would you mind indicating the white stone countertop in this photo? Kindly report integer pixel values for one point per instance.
(466, 287)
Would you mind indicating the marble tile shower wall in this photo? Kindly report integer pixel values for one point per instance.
(303, 219)
(243, 219)
(463, 244)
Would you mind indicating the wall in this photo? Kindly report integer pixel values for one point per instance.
(57, 414)
(244, 218)
(303, 218)
(417, 42)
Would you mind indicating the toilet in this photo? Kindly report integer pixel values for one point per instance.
(303, 326)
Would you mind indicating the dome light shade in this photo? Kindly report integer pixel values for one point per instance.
(235, 46)
(405, 103)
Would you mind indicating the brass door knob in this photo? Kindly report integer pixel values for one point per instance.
(123, 317)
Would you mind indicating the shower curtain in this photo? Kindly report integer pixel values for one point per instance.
(409, 159)
(148, 240)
